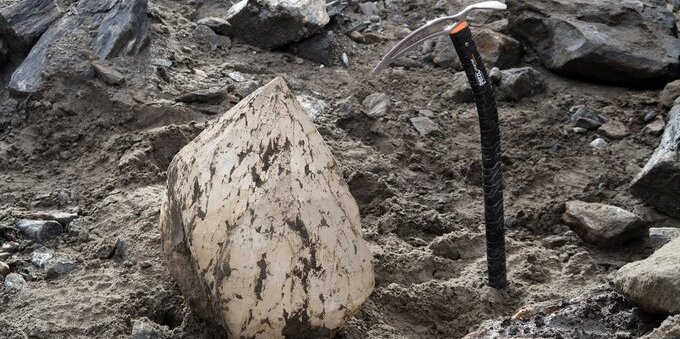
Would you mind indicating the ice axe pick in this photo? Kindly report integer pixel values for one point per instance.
(458, 30)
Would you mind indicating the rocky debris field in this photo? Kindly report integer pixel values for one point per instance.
(98, 96)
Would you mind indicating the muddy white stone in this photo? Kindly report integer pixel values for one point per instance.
(259, 227)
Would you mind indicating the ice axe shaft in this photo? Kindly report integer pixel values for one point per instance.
(458, 29)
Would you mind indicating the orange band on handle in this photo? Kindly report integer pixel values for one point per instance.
(461, 26)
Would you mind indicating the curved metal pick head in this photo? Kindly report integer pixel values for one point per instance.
(431, 29)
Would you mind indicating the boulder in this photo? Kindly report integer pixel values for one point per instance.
(496, 49)
(600, 40)
(603, 225)
(31, 18)
(259, 228)
(653, 283)
(110, 30)
(658, 183)
(275, 23)
(670, 93)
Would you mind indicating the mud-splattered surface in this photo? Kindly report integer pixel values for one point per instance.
(101, 151)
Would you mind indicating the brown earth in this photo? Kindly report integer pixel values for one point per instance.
(101, 150)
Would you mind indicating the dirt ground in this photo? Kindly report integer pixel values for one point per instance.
(101, 151)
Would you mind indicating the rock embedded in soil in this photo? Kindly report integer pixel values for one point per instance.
(460, 90)
(599, 143)
(14, 281)
(41, 257)
(443, 247)
(655, 128)
(669, 329)
(518, 83)
(39, 230)
(218, 25)
(29, 19)
(658, 183)
(259, 228)
(59, 268)
(4, 269)
(313, 106)
(377, 105)
(670, 93)
(107, 74)
(424, 125)
(614, 130)
(322, 48)
(600, 40)
(204, 96)
(603, 225)
(271, 24)
(598, 313)
(653, 284)
(143, 328)
(585, 118)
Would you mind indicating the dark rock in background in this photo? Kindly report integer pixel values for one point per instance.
(625, 43)
(321, 48)
(31, 18)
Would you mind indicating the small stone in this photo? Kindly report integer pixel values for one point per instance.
(144, 328)
(599, 143)
(205, 96)
(356, 36)
(653, 284)
(373, 38)
(345, 59)
(614, 130)
(586, 119)
(160, 62)
(495, 74)
(14, 281)
(426, 113)
(518, 83)
(424, 125)
(10, 247)
(579, 130)
(650, 116)
(109, 75)
(369, 8)
(218, 25)
(313, 106)
(377, 105)
(321, 48)
(243, 89)
(459, 91)
(39, 230)
(5, 255)
(444, 247)
(374, 18)
(59, 268)
(40, 257)
(655, 128)
(603, 225)
(4, 269)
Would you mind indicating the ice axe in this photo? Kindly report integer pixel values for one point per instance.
(458, 30)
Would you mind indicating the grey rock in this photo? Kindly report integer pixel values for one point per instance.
(653, 283)
(313, 106)
(377, 105)
(41, 257)
(161, 62)
(39, 230)
(599, 143)
(650, 115)
(518, 83)
(659, 236)
(600, 40)
(4, 269)
(210, 40)
(206, 96)
(14, 281)
(445, 248)
(460, 90)
(658, 183)
(585, 118)
(369, 8)
(655, 128)
(245, 88)
(444, 55)
(110, 30)
(108, 75)
(670, 93)
(218, 25)
(10, 247)
(270, 24)
(336, 7)
(59, 268)
(321, 48)
(31, 18)
(424, 125)
(143, 328)
(603, 225)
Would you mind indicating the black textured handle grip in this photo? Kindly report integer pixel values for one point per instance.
(485, 100)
